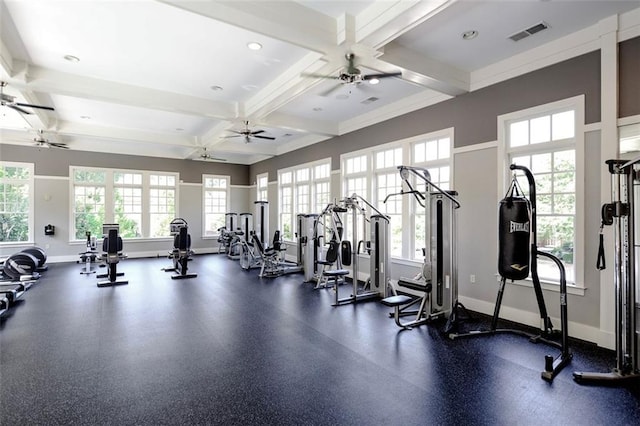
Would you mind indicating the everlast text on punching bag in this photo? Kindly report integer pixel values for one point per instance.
(514, 218)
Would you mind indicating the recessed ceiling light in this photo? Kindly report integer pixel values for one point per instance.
(216, 88)
(469, 35)
(249, 87)
(374, 80)
(317, 109)
(85, 117)
(253, 45)
(71, 58)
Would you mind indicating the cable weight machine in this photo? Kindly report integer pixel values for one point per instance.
(435, 289)
(315, 228)
(623, 215)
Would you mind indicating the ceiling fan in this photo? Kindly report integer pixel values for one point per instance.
(248, 134)
(208, 157)
(352, 75)
(10, 101)
(42, 142)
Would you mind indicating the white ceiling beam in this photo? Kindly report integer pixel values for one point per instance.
(300, 124)
(424, 71)
(385, 21)
(125, 135)
(55, 82)
(286, 21)
(282, 89)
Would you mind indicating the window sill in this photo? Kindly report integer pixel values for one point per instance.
(548, 285)
(126, 240)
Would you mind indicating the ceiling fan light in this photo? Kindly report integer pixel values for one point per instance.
(469, 35)
(374, 80)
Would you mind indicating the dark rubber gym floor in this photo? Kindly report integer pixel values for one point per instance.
(230, 348)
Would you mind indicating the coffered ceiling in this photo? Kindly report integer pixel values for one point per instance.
(168, 78)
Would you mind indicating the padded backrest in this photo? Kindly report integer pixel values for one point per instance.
(276, 240)
(258, 244)
(332, 252)
(182, 240)
(113, 243)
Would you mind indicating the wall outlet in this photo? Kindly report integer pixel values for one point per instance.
(472, 279)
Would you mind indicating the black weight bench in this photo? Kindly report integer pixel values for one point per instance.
(401, 303)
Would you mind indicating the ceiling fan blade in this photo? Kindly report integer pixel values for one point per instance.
(382, 75)
(256, 132)
(58, 145)
(331, 77)
(17, 108)
(264, 137)
(35, 106)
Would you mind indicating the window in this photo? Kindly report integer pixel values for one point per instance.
(127, 197)
(262, 187)
(548, 141)
(162, 201)
(215, 200)
(388, 181)
(143, 203)
(16, 202)
(302, 190)
(434, 154)
(89, 192)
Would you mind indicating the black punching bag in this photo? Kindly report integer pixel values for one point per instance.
(514, 219)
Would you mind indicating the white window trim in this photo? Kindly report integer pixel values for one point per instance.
(577, 103)
(109, 188)
(31, 213)
(204, 192)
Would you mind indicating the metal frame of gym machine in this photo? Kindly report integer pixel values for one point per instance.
(552, 366)
(439, 271)
(378, 283)
(622, 213)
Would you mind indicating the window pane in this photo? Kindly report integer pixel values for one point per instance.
(302, 175)
(563, 125)
(444, 146)
(432, 150)
(519, 133)
(541, 163)
(541, 129)
(89, 210)
(564, 160)
(89, 177)
(419, 153)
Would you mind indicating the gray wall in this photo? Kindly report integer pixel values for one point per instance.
(629, 72)
(56, 162)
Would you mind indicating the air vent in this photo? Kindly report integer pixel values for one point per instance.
(369, 100)
(529, 31)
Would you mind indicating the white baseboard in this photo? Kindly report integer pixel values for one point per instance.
(132, 255)
(576, 330)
